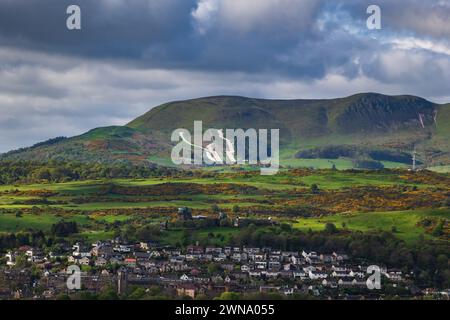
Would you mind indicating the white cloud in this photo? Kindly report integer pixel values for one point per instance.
(249, 15)
(205, 14)
(411, 43)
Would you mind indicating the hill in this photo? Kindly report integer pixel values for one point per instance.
(367, 123)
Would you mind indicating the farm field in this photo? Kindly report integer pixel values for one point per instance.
(363, 201)
(406, 223)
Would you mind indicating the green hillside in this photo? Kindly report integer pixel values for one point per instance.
(368, 122)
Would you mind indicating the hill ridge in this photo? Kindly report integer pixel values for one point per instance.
(364, 119)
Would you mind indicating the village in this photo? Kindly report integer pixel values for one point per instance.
(193, 273)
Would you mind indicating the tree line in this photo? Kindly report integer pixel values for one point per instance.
(12, 172)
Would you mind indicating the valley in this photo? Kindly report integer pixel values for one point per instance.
(345, 189)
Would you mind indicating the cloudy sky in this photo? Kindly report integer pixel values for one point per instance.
(132, 55)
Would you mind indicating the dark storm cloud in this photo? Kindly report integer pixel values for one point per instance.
(424, 18)
(164, 33)
(229, 35)
(111, 28)
(134, 54)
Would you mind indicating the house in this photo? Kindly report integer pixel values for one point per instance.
(34, 255)
(101, 262)
(185, 277)
(251, 250)
(287, 291)
(194, 250)
(349, 282)
(274, 265)
(272, 274)
(187, 289)
(268, 289)
(80, 250)
(339, 274)
(289, 267)
(286, 274)
(130, 262)
(357, 274)
(313, 259)
(105, 272)
(340, 256)
(300, 274)
(309, 255)
(220, 258)
(84, 261)
(216, 250)
(326, 258)
(115, 260)
(141, 255)
(11, 259)
(217, 279)
(394, 275)
(294, 260)
(339, 269)
(254, 273)
(317, 275)
(195, 272)
(144, 246)
(245, 268)
(122, 248)
(73, 259)
(155, 254)
(102, 250)
(236, 257)
(329, 283)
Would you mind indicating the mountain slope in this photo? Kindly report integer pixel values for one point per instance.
(368, 120)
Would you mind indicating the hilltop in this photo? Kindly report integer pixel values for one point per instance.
(369, 124)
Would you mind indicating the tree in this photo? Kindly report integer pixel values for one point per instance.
(21, 261)
(108, 294)
(129, 233)
(439, 229)
(229, 296)
(330, 228)
(213, 268)
(442, 261)
(64, 229)
(148, 233)
(62, 296)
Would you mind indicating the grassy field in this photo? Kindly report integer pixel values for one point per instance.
(11, 223)
(87, 203)
(440, 169)
(215, 236)
(406, 222)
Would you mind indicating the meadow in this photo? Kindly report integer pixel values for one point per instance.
(357, 201)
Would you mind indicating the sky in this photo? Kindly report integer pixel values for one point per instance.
(132, 55)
